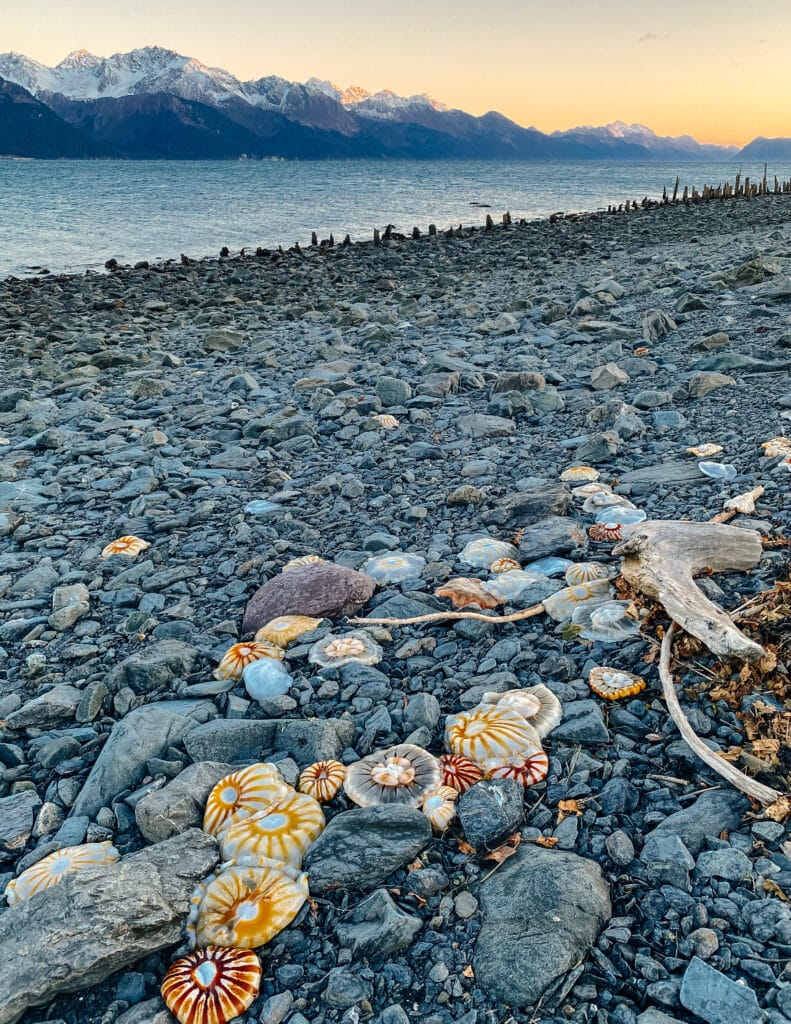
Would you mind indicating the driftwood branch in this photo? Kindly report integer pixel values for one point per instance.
(526, 613)
(661, 557)
(763, 794)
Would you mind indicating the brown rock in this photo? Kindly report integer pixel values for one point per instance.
(323, 591)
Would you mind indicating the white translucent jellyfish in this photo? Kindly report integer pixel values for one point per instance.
(550, 566)
(609, 623)
(561, 605)
(261, 507)
(482, 552)
(394, 567)
(619, 514)
(266, 679)
(588, 490)
(603, 499)
(717, 470)
(510, 586)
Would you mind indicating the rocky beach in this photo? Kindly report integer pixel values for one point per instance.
(404, 397)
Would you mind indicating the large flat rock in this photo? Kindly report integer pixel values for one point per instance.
(542, 911)
(97, 921)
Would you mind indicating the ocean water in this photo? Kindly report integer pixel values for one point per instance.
(74, 215)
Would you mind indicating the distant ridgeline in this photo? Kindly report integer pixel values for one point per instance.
(153, 103)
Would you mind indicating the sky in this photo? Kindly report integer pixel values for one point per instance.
(708, 68)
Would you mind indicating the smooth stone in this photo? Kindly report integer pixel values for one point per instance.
(361, 848)
(61, 702)
(711, 814)
(180, 804)
(156, 667)
(491, 811)
(554, 535)
(145, 733)
(732, 865)
(323, 590)
(230, 740)
(716, 998)
(378, 928)
(582, 723)
(98, 921)
(542, 911)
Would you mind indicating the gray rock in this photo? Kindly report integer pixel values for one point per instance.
(656, 324)
(607, 377)
(542, 911)
(361, 848)
(716, 998)
(654, 1016)
(711, 813)
(555, 535)
(231, 740)
(700, 384)
(61, 702)
(157, 666)
(582, 723)
(666, 848)
(377, 927)
(180, 804)
(544, 498)
(665, 473)
(491, 811)
(599, 447)
(146, 732)
(69, 605)
(768, 920)
(345, 989)
(620, 848)
(478, 425)
(17, 815)
(313, 740)
(732, 865)
(650, 398)
(98, 921)
(393, 391)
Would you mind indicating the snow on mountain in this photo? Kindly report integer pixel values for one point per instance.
(84, 76)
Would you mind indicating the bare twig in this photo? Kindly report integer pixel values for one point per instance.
(763, 794)
(526, 613)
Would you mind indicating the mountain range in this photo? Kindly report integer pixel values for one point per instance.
(153, 103)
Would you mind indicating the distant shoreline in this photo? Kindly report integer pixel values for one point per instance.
(734, 214)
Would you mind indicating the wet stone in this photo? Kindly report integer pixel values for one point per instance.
(491, 811)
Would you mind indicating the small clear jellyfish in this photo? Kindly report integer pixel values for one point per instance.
(482, 552)
(266, 679)
(717, 470)
(510, 586)
(261, 507)
(394, 567)
(605, 499)
(551, 566)
(560, 606)
(620, 515)
(609, 622)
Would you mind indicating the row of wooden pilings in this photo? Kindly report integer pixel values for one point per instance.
(742, 188)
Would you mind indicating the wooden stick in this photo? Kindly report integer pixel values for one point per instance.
(526, 613)
(763, 794)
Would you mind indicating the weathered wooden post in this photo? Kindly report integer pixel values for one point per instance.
(377, 240)
(314, 238)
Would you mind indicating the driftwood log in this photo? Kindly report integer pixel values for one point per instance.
(661, 559)
(763, 794)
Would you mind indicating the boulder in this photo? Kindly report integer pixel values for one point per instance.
(145, 733)
(542, 912)
(98, 921)
(361, 848)
(322, 590)
(180, 804)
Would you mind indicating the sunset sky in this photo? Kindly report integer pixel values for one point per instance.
(701, 67)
